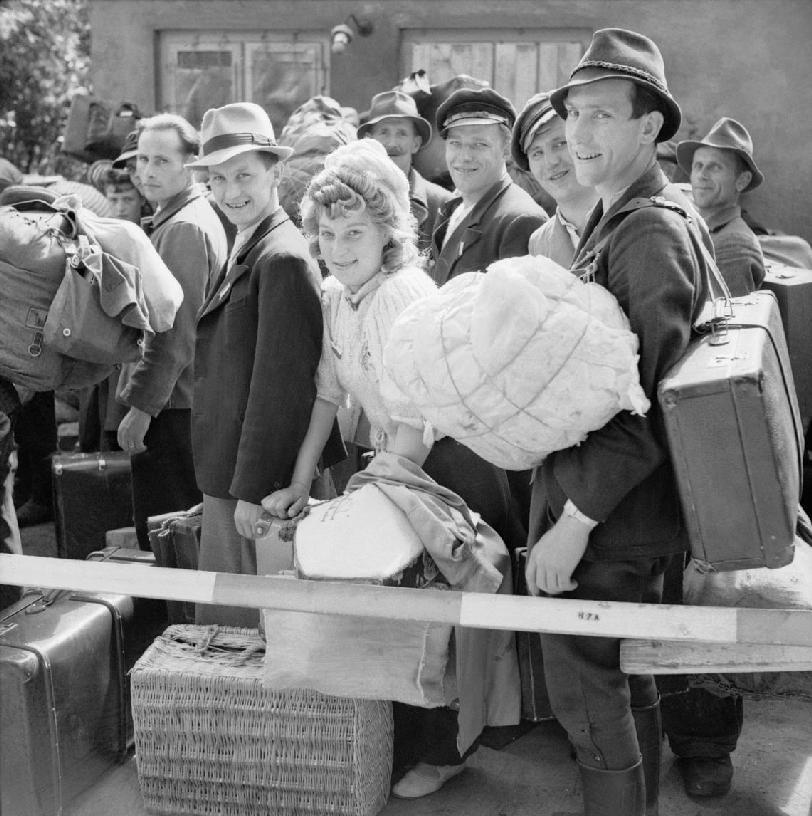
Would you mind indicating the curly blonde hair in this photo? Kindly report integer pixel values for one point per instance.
(360, 176)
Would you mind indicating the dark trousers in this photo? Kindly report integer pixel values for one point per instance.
(590, 696)
(426, 735)
(35, 432)
(696, 722)
(163, 475)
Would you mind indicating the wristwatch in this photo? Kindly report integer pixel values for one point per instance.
(571, 510)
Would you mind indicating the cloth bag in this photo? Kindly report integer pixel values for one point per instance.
(84, 321)
(360, 536)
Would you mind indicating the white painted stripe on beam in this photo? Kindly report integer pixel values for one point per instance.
(141, 580)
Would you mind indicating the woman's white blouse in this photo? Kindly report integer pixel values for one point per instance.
(356, 328)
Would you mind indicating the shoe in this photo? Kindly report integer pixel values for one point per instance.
(32, 513)
(706, 776)
(424, 779)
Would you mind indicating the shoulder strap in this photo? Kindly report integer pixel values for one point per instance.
(715, 282)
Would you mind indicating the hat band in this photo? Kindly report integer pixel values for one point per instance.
(235, 140)
(623, 69)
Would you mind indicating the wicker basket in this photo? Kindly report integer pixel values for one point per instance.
(211, 739)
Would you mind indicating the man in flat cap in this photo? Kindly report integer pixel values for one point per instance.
(721, 167)
(490, 217)
(393, 121)
(606, 517)
(539, 145)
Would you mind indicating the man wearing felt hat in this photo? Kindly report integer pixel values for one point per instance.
(393, 120)
(539, 145)
(157, 390)
(490, 217)
(259, 336)
(722, 168)
(606, 517)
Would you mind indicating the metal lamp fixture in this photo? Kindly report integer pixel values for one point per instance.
(342, 34)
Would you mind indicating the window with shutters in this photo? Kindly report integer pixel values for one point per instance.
(202, 70)
(515, 62)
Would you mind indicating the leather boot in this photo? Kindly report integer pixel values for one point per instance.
(648, 724)
(613, 793)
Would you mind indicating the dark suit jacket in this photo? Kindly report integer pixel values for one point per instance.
(499, 226)
(621, 475)
(259, 338)
(425, 200)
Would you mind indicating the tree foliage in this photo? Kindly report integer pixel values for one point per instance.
(44, 59)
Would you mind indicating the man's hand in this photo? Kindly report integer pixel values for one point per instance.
(556, 555)
(132, 430)
(245, 517)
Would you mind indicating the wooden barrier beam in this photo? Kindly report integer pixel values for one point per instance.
(677, 657)
(477, 610)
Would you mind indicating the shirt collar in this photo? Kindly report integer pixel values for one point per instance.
(720, 218)
(354, 298)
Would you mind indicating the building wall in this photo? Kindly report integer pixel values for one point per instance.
(743, 58)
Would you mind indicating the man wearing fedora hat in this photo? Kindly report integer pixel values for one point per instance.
(157, 390)
(393, 120)
(722, 168)
(539, 145)
(606, 517)
(259, 336)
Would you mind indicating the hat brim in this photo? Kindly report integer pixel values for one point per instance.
(519, 143)
(672, 115)
(120, 163)
(685, 159)
(422, 125)
(226, 153)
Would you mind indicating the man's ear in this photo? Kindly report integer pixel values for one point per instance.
(743, 180)
(651, 126)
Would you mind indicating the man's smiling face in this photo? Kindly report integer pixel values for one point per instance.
(604, 141)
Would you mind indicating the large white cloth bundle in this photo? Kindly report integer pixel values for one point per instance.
(515, 363)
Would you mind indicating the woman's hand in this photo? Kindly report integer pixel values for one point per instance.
(288, 502)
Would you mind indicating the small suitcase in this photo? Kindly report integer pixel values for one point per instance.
(64, 706)
(175, 540)
(733, 427)
(92, 494)
(793, 289)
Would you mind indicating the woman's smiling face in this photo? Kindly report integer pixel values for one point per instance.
(351, 246)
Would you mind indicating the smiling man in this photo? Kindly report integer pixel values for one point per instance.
(539, 145)
(606, 517)
(393, 121)
(259, 337)
(722, 168)
(490, 217)
(190, 239)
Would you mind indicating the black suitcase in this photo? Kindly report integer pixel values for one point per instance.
(92, 494)
(175, 540)
(64, 706)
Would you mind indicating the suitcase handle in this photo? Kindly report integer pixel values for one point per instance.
(45, 600)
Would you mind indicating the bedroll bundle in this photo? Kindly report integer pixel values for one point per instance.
(515, 363)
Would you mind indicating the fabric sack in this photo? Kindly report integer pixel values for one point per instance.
(77, 324)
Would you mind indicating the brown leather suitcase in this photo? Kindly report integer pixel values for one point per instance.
(792, 288)
(64, 706)
(92, 494)
(736, 440)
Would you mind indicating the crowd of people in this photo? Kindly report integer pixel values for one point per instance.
(283, 326)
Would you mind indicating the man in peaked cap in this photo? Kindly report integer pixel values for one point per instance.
(722, 168)
(539, 145)
(490, 217)
(393, 120)
(606, 517)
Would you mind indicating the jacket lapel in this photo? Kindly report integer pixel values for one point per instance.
(232, 272)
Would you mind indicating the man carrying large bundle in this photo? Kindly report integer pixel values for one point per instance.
(605, 518)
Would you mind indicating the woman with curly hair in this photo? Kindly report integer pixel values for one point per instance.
(356, 217)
